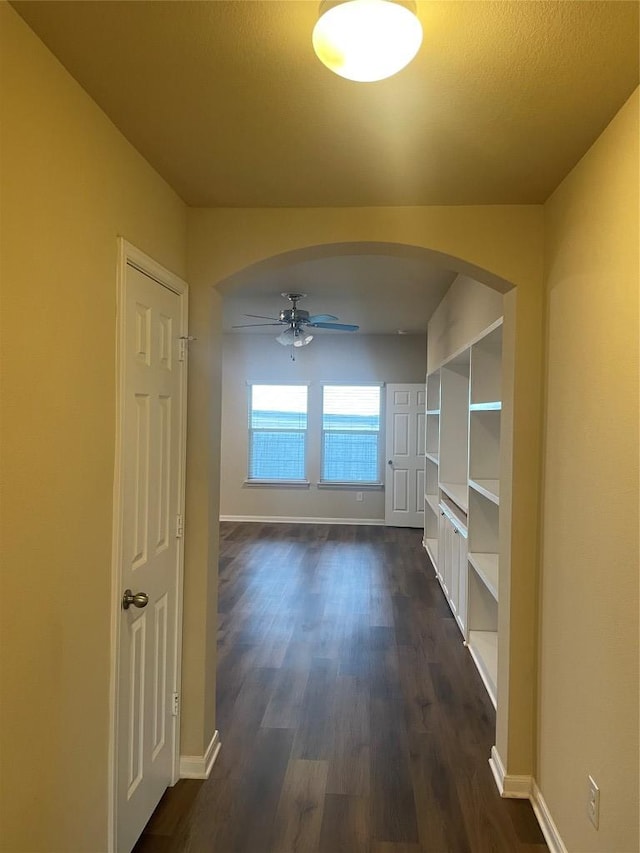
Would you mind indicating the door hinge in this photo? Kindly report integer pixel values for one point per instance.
(175, 704)
(184, 346)
(179, 526)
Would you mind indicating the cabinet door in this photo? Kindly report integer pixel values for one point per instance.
(463, 581)
(446, 566)
(442, 547)
(454, 581)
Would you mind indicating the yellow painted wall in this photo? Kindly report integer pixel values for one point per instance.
(70, 184)
(588, 681)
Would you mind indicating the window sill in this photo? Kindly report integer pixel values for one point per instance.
(356, 487)
(278, 484)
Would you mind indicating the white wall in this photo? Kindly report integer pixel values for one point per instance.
(329, 358)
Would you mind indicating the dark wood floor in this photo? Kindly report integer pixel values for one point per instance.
(351, 716)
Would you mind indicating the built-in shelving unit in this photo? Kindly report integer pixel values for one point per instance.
(485, 409)
(454, 428)
(483, 646)
(432, 500)
(432, 460)
(489, 488)
(462, 491)
(486, 566)
(458, 492)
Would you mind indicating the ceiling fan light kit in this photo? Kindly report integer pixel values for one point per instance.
(367, 40)
(294, 337)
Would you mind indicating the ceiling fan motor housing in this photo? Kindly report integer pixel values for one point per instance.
(294, 315)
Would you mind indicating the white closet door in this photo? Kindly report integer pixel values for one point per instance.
(405, 434)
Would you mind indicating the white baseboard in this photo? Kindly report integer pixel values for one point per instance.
(509, 785)
(526, 788)
(281, 519)
(548, 827)
(199, 766)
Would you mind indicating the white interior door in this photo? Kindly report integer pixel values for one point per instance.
(153, 374)
(404, 481)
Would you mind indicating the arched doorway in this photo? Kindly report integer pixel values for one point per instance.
(498, 249)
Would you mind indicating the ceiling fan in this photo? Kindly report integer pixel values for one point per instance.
(298, 322)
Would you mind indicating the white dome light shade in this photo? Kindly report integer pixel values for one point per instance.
(367, 40)
(302, 339)
(297, 337)
(286, 338)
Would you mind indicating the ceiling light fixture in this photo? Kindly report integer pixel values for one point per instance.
(302, 338)
(294, 336)
(367, 40)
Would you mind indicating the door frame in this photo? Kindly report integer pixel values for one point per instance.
(129, 255)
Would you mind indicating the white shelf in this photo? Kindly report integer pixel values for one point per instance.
(459, 524)
(432, 457)
(486, 567)
(489, 488)
(458, 493)
(483, 646)
(431, 547)
(494, 406)
(432, 501)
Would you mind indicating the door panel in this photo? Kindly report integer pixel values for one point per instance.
(400, 490)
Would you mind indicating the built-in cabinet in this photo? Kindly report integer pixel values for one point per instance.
(462, 491)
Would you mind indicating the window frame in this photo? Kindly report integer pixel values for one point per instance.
(359, 485)
(279, 481)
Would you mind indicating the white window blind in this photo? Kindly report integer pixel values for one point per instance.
(351, 433)
(277, 432)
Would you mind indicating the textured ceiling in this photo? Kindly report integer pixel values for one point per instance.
(229, 103)
(381, 294)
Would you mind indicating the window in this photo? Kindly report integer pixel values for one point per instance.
(351, 433)
(277, 432)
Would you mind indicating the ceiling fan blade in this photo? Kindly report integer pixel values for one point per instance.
(322, 318)
(262, 317)
(254, 325)
(342, 327)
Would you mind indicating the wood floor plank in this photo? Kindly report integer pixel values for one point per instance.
(352, 718)
(284, 710)
(256, 801)
(392, 801)
(313, 738)
(177, 803)
(300, 809)
(438, 810)
(350, 751)
(418, 691)
(345, 825)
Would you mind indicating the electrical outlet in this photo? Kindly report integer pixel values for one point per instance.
(593, 803)
(359, 496)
